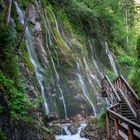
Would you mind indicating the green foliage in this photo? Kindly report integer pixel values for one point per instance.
(1, 109)
(101, 122)
(8, 55)
(25, 57)
(96, 18)
(110, 75)
(2, 135)
(18, 103)
(127, 59)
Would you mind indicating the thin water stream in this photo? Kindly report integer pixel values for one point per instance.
(83, 86)
(32, 56)
(49, 44)
(111, 59)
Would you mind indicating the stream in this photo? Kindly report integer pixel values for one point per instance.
(68, 135)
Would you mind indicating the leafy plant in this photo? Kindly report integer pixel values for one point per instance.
(18, 103)
(101, 122)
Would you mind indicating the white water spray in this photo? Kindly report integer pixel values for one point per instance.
(69, 136)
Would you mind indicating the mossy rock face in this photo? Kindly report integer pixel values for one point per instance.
(57, 130)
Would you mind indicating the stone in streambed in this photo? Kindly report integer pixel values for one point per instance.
(57, 130)
(73, 128)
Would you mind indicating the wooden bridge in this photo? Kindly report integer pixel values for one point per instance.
(123, 113)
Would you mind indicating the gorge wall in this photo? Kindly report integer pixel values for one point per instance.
(59, 70)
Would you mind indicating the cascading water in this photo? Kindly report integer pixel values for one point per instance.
(89, 88)
(110, 56)
(57, 28)
(83, 86)
(90, 75)
(94, 60)
(49, 43)
(61, 92)
(97, 96)
(30, 47)
(69, 136)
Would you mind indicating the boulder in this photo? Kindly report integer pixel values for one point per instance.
(73, 128)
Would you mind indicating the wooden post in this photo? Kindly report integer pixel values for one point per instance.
(130, 134)
(107, 126)
(116, 124)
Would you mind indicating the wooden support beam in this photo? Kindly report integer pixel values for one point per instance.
(107, 127)
(130, 134)
(116, 124)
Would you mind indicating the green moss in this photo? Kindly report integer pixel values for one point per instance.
(101, 122)
(25, 56)
(18, 103)
(2, 135)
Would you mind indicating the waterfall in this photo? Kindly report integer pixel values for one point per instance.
(57, 28)
(30, 47)
(69, 136)
(111, 59)
(58, 85)
(83, 86)
(49, 43)
(94, 59)
(56, 73)
(94, 77)
(90, 76)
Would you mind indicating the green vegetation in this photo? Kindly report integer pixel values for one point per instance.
(101, 20)
(10, 82)
(2, 135)
(18, 103)
(101, 122)
(113, 21)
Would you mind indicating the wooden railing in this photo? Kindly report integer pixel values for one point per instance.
(129, 94)
(109, 91)
(119, 127)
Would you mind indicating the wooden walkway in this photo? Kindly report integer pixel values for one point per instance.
(123, 113)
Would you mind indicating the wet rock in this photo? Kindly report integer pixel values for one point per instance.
(78, 118)
(73, 128)
(91, 131)
(57, 130)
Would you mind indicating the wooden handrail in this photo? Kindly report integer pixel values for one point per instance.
(127, 85)
(106, 82)
(128, 103)
(129, 94)
(122, 127)
(124, 119)
(118, 126)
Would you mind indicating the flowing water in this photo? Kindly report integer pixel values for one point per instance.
(57, 28)
(49, 44)
(111, 59)
(68, 135)
(84, 89)
(92, 78)
(32, 56)
(94, 59)
(61, 92)
(91, 75)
